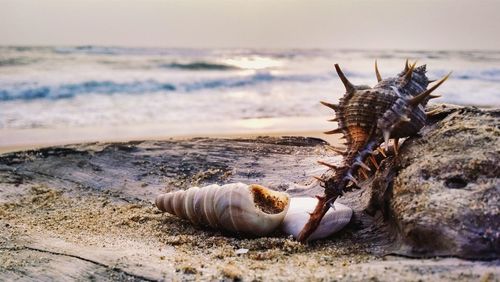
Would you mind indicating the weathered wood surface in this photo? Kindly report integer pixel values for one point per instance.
(85, 212)
(140, 170)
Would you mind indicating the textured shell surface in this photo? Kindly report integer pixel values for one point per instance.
(298, 215)
(250, 210)
(237, 207)
(362, 113)
(367, 117)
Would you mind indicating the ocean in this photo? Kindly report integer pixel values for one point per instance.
(204, 89)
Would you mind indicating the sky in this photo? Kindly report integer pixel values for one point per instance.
(358, 24)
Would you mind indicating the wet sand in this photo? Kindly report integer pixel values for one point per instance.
(31, 145)
(22, 139)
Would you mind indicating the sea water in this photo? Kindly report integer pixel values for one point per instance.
(90, 86)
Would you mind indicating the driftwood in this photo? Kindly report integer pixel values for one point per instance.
(138, 171)
(85, 211)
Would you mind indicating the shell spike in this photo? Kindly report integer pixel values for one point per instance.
(407, 67)
(362, 171)
(374, 161)
(387, 134)
(330, 105)
(352, 179)
(381, 151)
(377, 73)
(337, 150)
(328, 165)
(422, 96)
(318, 178)
(335, 131)
(348, 85)
(409, 73)
(396, 146)
(320, 198)
(363, 165)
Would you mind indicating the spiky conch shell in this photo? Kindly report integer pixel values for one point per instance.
(246, 209)
(250, 210)
(366, 116)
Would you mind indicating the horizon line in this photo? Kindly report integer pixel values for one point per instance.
(242, 47)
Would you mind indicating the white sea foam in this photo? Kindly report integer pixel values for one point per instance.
(101, 86)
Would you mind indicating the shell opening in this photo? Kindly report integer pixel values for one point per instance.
(268, 201)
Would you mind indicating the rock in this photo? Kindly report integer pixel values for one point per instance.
(445, 197)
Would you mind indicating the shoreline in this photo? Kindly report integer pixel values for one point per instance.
(314, 134)
(25, 139)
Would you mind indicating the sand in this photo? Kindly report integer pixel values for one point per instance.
(162, 246)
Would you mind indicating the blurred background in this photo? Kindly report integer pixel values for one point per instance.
(88, 70)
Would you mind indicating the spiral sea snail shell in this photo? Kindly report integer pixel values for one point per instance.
(249, 210)
(240, 208)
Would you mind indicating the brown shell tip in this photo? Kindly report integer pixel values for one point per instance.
(377, 73)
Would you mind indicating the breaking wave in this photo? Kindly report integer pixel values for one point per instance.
(199, 65)
(31, 91)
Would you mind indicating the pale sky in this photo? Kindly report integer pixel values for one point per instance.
(360, 24)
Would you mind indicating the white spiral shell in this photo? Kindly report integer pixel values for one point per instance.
(251, 210)
(237, 207)
(298, 214)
